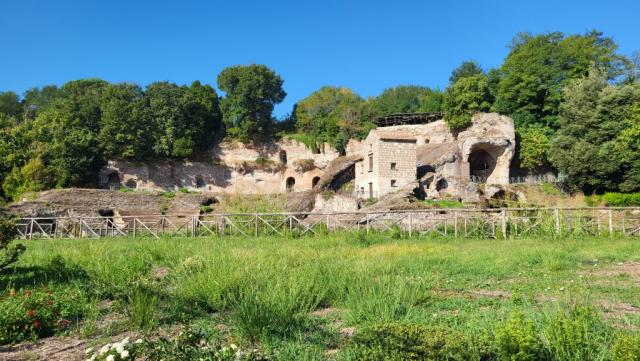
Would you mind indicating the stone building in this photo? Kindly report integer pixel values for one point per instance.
(389, 162)
(447, 163)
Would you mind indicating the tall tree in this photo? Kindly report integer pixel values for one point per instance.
(467, 68)
(10, 105)
(539, 66)
(594, 119)
(251, 92)
(332, 115)
(465, 97)
(400, 99)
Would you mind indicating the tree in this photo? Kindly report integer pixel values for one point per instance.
(251, 92)
(594, 119)
(538, 67)
(123, 130)
(9, 253)
(432, 101)
(533, 146)
(467, 68)
(10, 105)
(37, 100)
(332, 115)
(401, 99)
(465, 97)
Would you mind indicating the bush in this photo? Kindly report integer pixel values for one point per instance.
(622, 199)
(9, 253)
(577, 333)
(517, 340)
(395, 341)
(29, 315)
(304, 165)
(626, 348)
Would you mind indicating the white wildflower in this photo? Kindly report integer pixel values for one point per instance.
(88, 351)
(233, 346)
(124, 341)
(105, 349)
(110, 358)
(561, 288)
(138, 341)
(119, 348)
(124, 354)
(92, 358)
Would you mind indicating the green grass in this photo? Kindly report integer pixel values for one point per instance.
(444, 203)
(300, 295)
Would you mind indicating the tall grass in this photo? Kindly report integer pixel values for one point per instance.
(267, 290)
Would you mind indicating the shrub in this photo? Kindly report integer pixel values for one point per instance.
(576, 333)
(517, 340)
(626, 348)
(395, 341)
(28, 315)
(9, 253)
(143, 305)
(304, 165)
(184, 190)
(622, 199)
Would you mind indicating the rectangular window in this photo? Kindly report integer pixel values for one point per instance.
(393, 182)
(370, 162)
(393, 165)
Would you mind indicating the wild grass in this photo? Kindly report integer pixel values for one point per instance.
(300, 295)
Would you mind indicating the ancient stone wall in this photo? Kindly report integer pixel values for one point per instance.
(234, 168)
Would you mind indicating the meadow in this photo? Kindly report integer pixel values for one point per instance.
(346, 296)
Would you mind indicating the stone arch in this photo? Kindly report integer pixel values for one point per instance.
(291, 183)
(315, 181)
(424, 169)
(283, 157)
(132, 184)
(442, 184)
(113, 181)
(482, 161)
(200, 181)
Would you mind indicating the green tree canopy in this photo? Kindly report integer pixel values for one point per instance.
(400, 99)
(467, 68)
(465, 97)
(10, 104)
(251, 92)
(595, 119)
(332, 115)
(538, 67)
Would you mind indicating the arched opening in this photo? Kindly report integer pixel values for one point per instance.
(315, 181)
(200, 182)
(113, 181)
(283, 157)
(424, 170)
(442, 184)
(131, 184)
(482, 162)
(291, 182)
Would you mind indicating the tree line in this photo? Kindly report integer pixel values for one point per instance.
(575, 101)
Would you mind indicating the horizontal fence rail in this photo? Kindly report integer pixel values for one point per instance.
(469, 223)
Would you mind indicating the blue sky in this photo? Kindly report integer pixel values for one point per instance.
(364, 45)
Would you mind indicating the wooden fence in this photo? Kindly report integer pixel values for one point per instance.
(470, 223)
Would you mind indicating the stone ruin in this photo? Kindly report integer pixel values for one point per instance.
(414, 155)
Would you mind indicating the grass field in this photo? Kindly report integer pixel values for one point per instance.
(345, 296)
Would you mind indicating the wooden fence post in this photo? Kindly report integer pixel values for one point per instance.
(504, 223)
(256, 231)
(455, 224)
(610, 223)
(410, 223)
(556, 213)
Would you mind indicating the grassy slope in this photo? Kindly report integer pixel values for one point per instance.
(266, 289)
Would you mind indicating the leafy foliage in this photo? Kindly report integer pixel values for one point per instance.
(405, 99)
(330, 115)
(465, 97)
(9, 253)
(592, 145)
(251, 92)
(467, 68)
(27, 315)
(518, 340)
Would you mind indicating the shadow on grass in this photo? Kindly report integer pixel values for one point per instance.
(56, 272)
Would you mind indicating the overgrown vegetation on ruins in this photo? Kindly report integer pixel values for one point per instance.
(575, 101)
(347, 296)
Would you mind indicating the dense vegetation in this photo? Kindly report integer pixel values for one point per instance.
(345, 296)
(575, 101)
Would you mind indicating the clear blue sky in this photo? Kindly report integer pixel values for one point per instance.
(364, 45)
